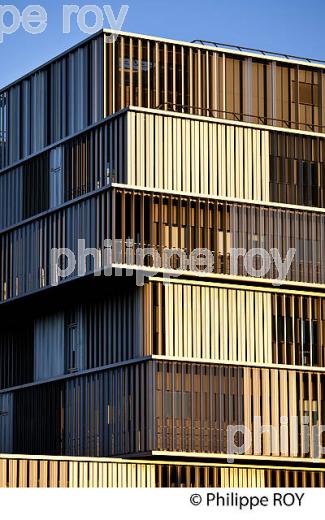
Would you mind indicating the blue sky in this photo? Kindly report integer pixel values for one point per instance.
(292, 26)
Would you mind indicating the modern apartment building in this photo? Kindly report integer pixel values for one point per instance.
(127, 371)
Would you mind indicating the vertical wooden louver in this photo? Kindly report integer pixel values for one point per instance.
(93, 473)
(206, 81)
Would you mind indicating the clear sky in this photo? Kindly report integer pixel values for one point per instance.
(292, 26)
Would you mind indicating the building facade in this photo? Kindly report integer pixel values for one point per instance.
(121, 370)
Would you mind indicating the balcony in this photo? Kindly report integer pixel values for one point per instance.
(159, 407)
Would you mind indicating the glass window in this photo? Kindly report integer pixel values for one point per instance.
(3, 411)
(56, 177)
(308, 93)
(72, 342)
(3, 129)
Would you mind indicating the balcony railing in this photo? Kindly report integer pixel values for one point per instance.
(239, 116)
(241, 48)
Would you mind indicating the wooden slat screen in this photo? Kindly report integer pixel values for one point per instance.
(68, 472)
(168, 406)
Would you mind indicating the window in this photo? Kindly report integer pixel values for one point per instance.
(310, 412)
(56, 177)
(168, 403)
(136, 65)
(308, 93)
(3, 130)
(72, 341)
(305, 342)
(3, 410)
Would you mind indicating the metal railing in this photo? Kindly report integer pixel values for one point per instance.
(241, 48)
(239, 116)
